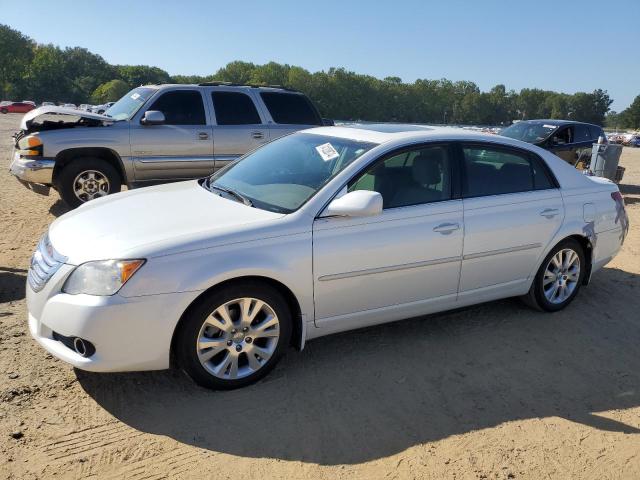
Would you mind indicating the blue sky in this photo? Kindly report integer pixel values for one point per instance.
(566, 45)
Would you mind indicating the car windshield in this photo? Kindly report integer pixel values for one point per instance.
(282, 175)
(528, 132)
(128, 105)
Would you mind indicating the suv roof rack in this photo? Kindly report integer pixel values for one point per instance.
(252, 85)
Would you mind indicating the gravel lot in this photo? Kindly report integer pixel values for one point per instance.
(495, 391)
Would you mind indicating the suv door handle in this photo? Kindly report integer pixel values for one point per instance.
(446, 228)
(549, 212)
(257, 134)
(203, 135)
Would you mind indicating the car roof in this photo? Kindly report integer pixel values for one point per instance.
(555, 122)
(232, 86)
(389, 132)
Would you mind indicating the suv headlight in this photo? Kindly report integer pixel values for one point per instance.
(104, 277)
(31, 145)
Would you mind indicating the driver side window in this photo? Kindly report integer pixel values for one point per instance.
(412, 177)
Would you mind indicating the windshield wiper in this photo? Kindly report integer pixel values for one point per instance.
(233, 193)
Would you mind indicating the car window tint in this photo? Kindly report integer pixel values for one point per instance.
(290, 108)
(409, 178)
(582, 133)
(596, 132)
(234, 108)
(181, 107)
(490, 171)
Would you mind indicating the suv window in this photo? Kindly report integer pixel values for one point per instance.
(563, 136)
(409, 178)
(493, 171)
(181, 107)
(596, 132)
(290, 108)
(234, 108)
(582, 133)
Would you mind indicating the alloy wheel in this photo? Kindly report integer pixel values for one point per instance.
(91, 184)
(238, 338)
(561, 276)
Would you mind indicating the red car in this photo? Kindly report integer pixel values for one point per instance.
(16, 107)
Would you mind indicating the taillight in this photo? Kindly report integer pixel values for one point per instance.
(617, 197)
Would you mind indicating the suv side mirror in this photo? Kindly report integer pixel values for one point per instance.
(360, 203)
(152, 117)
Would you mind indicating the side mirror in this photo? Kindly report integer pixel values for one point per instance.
(152, 117)
(360, 203)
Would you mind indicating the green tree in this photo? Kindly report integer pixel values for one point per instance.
(16, 53)
(110, 91)
(136, 75)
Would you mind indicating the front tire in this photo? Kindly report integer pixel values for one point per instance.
(559, 278)
(85, 179)
(3, 110)
(235, 336)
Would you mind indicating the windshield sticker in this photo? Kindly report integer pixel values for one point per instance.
(135, 96)
(327, 152)
(549, 126)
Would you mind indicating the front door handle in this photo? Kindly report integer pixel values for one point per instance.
(549, 212)
(203, 135)
(446, 228)
(257, 135)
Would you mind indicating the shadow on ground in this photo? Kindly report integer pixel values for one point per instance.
(12, 284)
(58, 208)
(371, 393)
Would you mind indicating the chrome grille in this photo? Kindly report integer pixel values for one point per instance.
(45, 261)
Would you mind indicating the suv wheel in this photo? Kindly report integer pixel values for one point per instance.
(234, 337)
(85, 179)
(559, 277)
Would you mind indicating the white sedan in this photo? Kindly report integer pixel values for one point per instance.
(322, 231)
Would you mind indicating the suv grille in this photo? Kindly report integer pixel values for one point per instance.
(45, 261)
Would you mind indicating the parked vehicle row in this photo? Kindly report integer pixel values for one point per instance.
(321, 231)
(151, 135)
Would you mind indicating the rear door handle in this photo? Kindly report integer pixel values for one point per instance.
(549, 212)
(257, 134)
(203, 135)
(446, 228)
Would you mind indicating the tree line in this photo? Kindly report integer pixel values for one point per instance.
(29, 70)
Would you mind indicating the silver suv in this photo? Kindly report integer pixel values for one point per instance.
(154, 134)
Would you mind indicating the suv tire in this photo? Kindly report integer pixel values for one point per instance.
(85, 179)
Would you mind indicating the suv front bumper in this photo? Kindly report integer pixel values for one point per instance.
(33, 172)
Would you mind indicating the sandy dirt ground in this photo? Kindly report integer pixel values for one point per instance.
(496, 391)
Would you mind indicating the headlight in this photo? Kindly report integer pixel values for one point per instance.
(103, 277)
(30, 145)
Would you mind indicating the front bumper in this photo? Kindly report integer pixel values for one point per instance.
(129, 334)
(38, 171)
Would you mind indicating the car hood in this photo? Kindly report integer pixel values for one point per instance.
(155, 221)
(70, 114)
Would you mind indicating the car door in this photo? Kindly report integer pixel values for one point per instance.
(512, 210)
(238, 127)
(180, 148)
(288, 112)
(403, 262)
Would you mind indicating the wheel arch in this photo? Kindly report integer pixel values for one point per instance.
(586, 241)
(297, 334)
(67, 156)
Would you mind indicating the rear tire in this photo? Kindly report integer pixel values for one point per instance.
(559, 278)
(87, 178)
(234, 336)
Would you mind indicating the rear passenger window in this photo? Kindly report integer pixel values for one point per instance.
(290, 108)
(181, 107)
(491, 171)
(582, 133)
(233, 108)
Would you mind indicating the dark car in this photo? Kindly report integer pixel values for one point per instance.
(571, 141)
